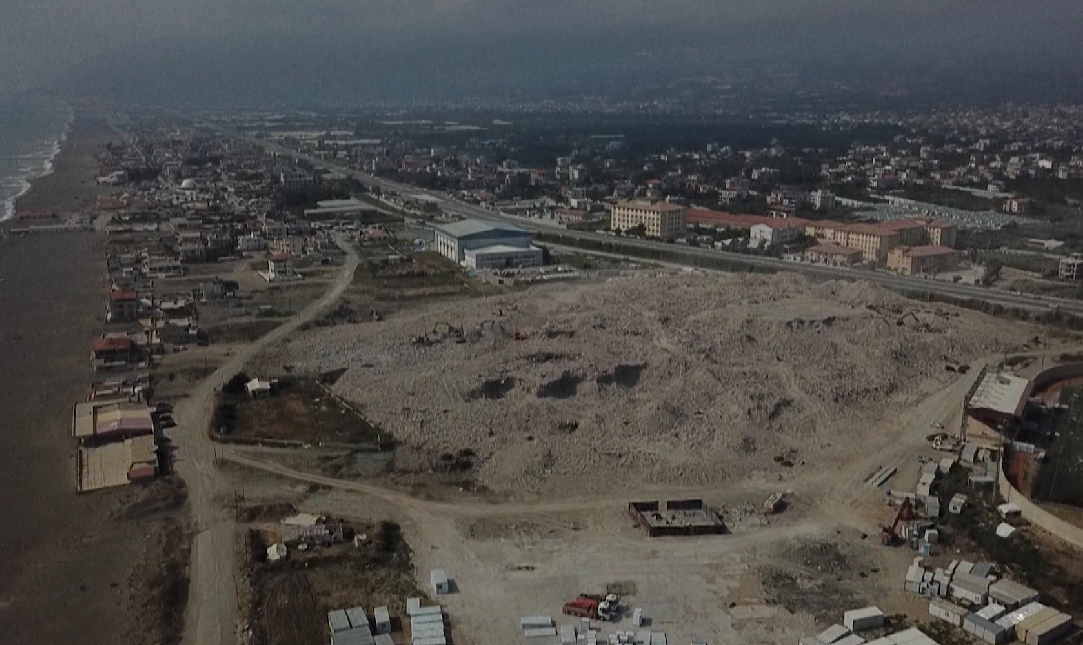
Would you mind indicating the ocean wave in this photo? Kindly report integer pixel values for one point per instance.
(28, 174)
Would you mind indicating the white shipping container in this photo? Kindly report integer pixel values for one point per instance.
(992, 611)
(948, 612)
(907, 636)
(859, 620)
(965, 591)
(437, 640)
(535, 622)
(852, 639)
(832, 634)
(538, 632)
(1014, 618)
(567, 635)
(433, 610)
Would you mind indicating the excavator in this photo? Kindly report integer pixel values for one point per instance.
(889, 535)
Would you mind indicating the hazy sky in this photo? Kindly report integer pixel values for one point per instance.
(237, 50)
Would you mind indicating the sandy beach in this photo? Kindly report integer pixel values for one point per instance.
(65, 559)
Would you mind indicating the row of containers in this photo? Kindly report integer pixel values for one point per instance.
(1032, 624)
(351, 627)
(543, 627)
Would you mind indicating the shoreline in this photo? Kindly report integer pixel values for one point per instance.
(62, 554)
(71, 170)
(11, 204)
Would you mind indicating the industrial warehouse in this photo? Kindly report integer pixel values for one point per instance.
(485, 245)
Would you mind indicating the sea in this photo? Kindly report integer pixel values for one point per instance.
(31, 131)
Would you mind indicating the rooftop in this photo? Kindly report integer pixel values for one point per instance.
(926, 251)
(834, 249)
(122, 296)
(661, 207)
(112, 345)
(1002, 393)
(468, 227)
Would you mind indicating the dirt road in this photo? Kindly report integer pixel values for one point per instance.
(211, 617)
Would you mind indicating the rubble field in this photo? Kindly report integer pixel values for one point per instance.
(653, 379)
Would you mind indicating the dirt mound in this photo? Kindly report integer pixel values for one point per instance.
(655, 380)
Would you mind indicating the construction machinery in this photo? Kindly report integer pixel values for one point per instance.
(889, 535)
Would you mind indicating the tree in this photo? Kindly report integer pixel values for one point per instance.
(992, 272)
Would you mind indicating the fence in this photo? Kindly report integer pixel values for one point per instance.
(1041, 518)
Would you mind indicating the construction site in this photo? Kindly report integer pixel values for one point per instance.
(657, 378)
(662, 457)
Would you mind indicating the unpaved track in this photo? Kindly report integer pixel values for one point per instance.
(211, 616)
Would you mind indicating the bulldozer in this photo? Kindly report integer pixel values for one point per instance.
(889, 535)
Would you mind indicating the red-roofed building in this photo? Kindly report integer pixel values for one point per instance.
(123, 306)
(111, 352)
(922, 260)
(722, 219)
(834, 255)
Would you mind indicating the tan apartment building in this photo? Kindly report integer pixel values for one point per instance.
(941, 233)
(828, 231)
(922, 260)
(834, 255)
(659, 219)
(877, 240)
(874, 240)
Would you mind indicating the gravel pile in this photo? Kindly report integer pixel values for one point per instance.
(661, 379)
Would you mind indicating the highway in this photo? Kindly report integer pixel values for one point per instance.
(887, 280)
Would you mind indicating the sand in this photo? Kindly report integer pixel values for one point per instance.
(64, 558)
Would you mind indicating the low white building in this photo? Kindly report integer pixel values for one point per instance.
(776, 232)
(503, 257)
(280, 269)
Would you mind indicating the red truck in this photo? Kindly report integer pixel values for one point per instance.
(589, 606)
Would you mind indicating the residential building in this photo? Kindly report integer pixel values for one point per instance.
(874, 241)
(280, 269)
(776, 231)
(1017, 205)
(162, 267)
(123, 306)
(922, 260)
(659, 219)
(1070, 267)
(941, 233)
(911, 232)
(111, 352)
(251, 242)
(823, 200)
(834, 255)
(295, 179)
(454, 240)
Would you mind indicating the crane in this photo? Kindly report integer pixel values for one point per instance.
(888, 534)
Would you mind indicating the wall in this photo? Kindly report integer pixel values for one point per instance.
(1054, 374)
(1032, 513)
